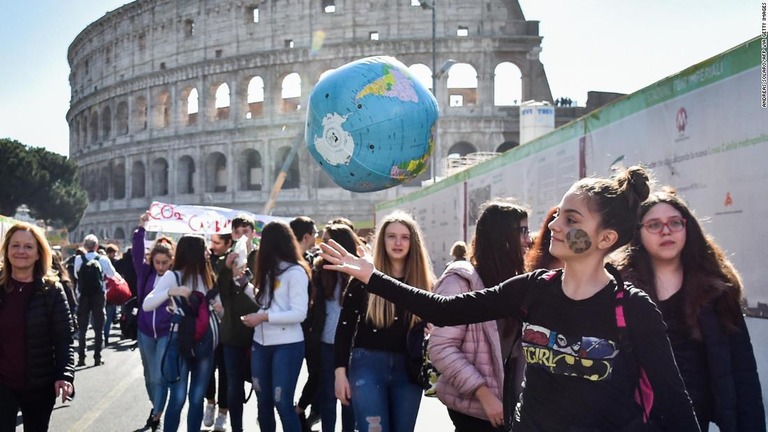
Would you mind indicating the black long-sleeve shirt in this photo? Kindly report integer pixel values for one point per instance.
(576, 375)
(354, 327)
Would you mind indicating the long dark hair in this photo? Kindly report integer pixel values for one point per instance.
(190, 261)
(277, 244)
(496, 251)
(326, 280)
(538, 256)
(708, 275)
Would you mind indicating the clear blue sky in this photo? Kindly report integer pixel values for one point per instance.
(609, 45)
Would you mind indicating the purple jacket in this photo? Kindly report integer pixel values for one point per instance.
(156, 323)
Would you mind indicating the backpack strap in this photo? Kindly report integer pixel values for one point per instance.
(643, 390)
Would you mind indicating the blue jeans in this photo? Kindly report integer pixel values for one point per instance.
(111, 311)
(194, 373)
(275, 371)
(235, 362)
(327, 395)
(152, 351)
(383, 397)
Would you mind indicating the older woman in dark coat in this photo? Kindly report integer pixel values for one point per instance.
(36, 355)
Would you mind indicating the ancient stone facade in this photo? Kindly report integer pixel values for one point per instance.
(200, 102)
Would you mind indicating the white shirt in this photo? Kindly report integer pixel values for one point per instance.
(287, 310)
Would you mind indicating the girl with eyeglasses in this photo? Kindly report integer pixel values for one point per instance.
(699, 293)
(588, 338)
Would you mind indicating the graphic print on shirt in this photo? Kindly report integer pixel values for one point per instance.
(583, 356)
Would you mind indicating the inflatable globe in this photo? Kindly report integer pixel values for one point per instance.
(371, 124)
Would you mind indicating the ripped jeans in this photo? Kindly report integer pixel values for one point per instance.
(383, 397)
(275, 371)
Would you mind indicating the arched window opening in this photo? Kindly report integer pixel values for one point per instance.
(138, 180)
(251, 173)
(507, 85)
(461, 148)
(192, 107)
(106, 122)
(140, 113)
(119, 181)
(216, 173)
(84, 130)
(159, 177)
(185, 175)
(255, 98)
(422, 73)
(222, 102)
(94, 127)
(119, 234)
(506, 146)
(122, 118)
(104, 180)
(291, 93)
(292, 177)
(162, 109)
(462, 85)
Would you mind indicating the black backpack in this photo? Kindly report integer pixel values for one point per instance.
(129, 320)
(90, 278)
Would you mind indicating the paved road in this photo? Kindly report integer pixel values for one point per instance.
(112, 397)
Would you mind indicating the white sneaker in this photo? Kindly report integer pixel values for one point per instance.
(208, 417)
(221, 423)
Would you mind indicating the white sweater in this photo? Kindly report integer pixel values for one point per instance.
(159, 294)
(287, 310)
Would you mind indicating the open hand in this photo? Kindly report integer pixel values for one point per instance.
(63, 389)
(339, 259)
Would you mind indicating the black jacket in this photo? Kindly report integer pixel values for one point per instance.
(733, 375)
(49, 351)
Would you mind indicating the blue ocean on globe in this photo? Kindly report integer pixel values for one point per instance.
(371, 124)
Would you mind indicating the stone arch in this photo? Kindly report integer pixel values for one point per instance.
(222, 101)
(506, 146)
(122, 118)
(292, 179)
(189, 106)
(90, 181)
(119, 234)
(291, 93)
(162, 110)
(106, 122)
(216, 172)
(140, 113)
(255, 97)
(422, 73)
(185, 175)
(251, 172)
(103, 185)
(118, 181)
(138, 180)
(94, 127)
(507, 85)
(84, 130)
(159, 176)
(462, 148)
(462, 85)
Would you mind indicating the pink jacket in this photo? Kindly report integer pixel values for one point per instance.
(467, 356)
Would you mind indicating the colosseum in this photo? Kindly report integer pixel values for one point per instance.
(201, 102)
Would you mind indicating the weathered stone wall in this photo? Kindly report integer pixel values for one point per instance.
(132, 72)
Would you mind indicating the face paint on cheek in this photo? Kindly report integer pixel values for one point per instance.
(578, 240)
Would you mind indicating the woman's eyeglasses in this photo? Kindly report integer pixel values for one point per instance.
(655, 226)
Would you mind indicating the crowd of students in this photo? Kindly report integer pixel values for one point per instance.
(620, 314)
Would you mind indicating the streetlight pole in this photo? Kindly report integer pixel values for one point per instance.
(425, 5)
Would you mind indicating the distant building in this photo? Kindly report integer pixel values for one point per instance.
(200, 102)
